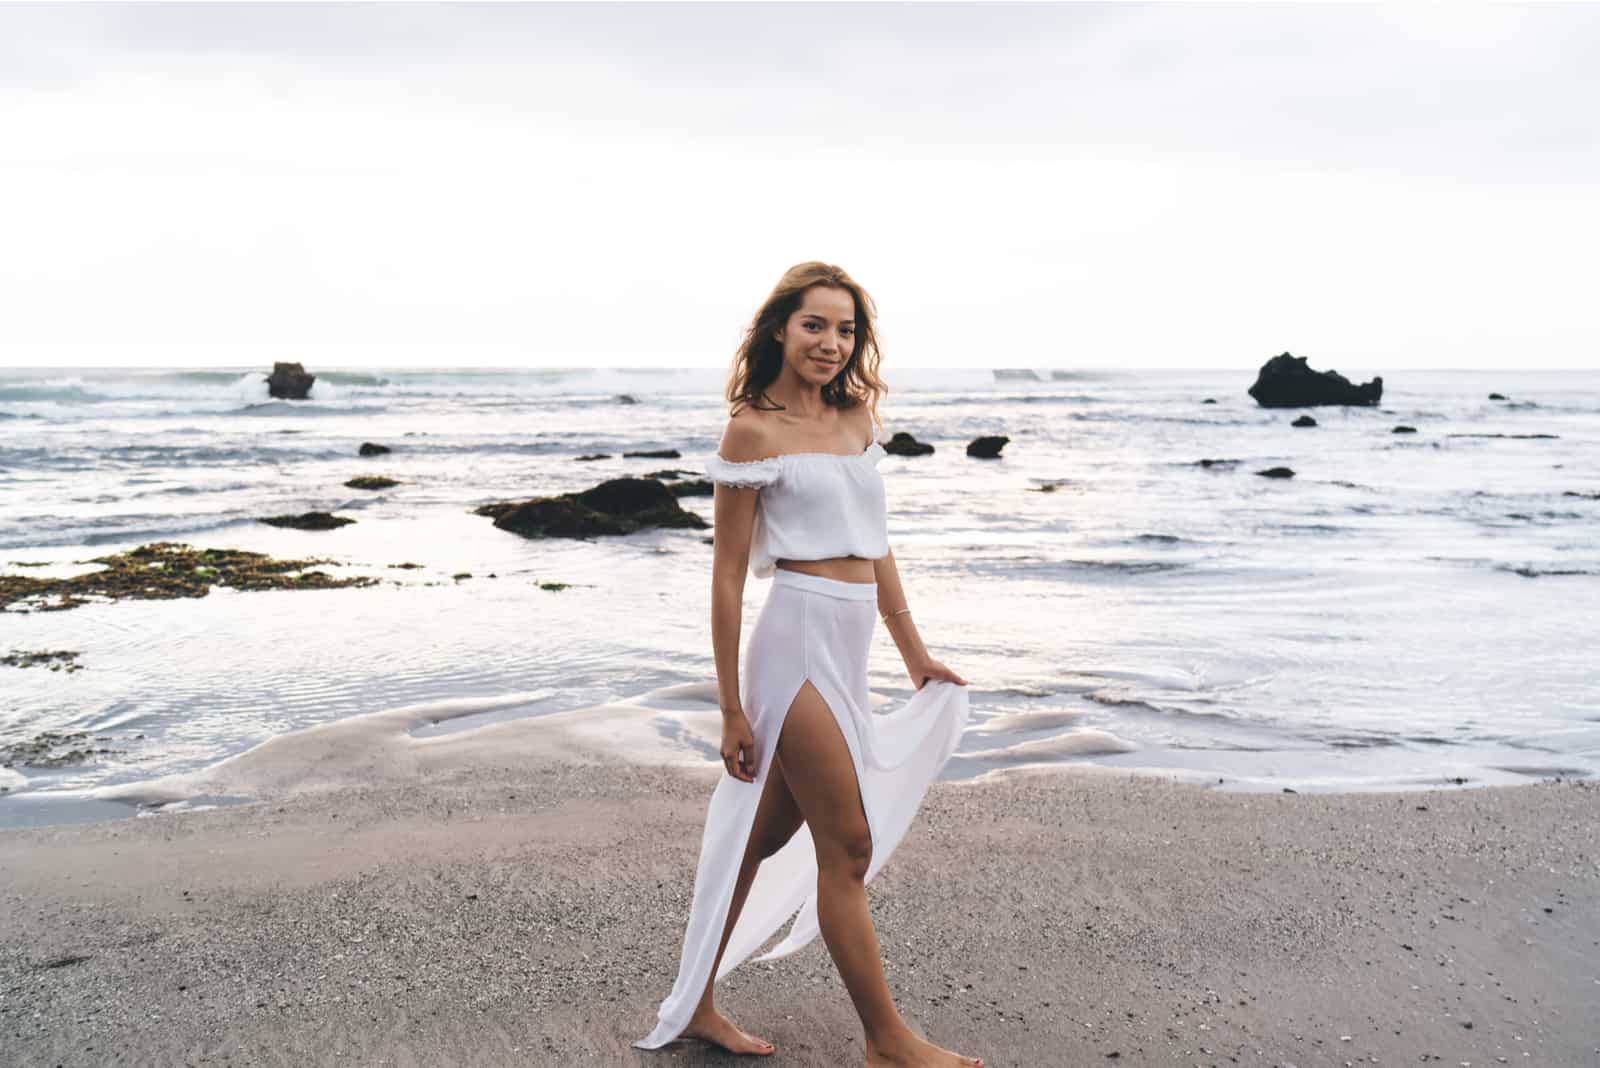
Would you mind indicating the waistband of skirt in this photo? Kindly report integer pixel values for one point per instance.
(846, 591)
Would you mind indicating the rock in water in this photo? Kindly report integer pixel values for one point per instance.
(1286, 382)
(289, 381)
(987, 447)
(903, 444)
(1497, 396)
(1276, 472)
(618, 506)
(1403, 429)
(1304, 420)
(307, 521)
(369, 448)
(698, 487)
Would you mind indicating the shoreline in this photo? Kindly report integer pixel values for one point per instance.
(675, 726)
(529, 912)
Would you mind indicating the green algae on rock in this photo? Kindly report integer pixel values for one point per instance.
(371, 482)
(48, 749)
(54, 659)
(166, 570)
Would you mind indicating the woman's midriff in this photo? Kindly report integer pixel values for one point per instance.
(841, 568)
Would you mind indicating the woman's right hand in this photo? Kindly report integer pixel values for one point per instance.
(738, 745)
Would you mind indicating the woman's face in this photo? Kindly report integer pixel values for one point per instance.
(820, 335)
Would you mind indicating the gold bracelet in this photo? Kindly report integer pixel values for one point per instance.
(896, 612)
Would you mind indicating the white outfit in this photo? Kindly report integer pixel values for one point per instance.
(815, 506)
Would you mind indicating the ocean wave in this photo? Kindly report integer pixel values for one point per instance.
(46, 532)
(307, 408)
(1545, 572)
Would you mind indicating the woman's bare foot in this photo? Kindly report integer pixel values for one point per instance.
(909, 1051)
(713, 1027)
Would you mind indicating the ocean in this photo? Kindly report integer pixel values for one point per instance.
(1414, 609)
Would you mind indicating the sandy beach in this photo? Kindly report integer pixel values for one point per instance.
(518, 908)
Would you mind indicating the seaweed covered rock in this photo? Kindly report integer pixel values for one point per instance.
(372, 482)
(694, 487)
(1286, 381)
(903, 444)
(307, 521)
(165, 570)
(372, 448)
(289, 381)
(987, 447)
(617, 506)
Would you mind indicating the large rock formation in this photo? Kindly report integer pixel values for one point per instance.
(987, 447)
(289, 381)
(618, 506)
(1286, 382)
(903, 444)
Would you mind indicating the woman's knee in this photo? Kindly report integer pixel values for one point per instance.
(848, 855)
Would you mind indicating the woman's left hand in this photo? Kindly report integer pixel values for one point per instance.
(932, 669)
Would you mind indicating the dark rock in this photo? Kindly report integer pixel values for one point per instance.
(1209, 400)
(1276, 472)
(696, 487)
(625, 398)
(594, 456)
(617, 506)
(1304, 420)
(1286, 382)
(1216, 463)
(1498, 396)
(655, 454)
(666, 473)
(1404, 430)
(369, 448)
(1585, 496)
(307, 521)
(987, 447)
(903, 444)
(289, 381)
(371, 482)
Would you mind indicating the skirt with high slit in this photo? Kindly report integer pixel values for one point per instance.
(819, 630)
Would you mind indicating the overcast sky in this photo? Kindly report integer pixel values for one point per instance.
(1036, 185)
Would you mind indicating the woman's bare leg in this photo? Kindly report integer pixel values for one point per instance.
(777, 818)
(822, 779)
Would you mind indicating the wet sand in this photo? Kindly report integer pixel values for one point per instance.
(521, 909)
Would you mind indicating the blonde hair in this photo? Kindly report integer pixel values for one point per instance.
(760, 355)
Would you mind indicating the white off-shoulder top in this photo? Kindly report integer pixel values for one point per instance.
(812, 505)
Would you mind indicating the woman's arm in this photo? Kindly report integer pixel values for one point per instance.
(733, 517)
(891, 599)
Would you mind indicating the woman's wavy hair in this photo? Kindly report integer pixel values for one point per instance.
(760, 356)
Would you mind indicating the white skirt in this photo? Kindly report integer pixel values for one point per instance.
(818, 629)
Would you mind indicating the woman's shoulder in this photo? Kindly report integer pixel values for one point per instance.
(746, 437)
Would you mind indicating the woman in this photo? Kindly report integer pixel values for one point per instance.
(819, 790)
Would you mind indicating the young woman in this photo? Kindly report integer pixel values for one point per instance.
(819, 789)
